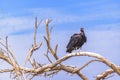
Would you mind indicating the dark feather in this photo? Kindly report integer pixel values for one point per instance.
(76, 41)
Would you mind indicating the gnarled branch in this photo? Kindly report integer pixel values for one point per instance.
(52, 67)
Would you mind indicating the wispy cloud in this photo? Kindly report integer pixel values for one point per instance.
(101, 17)
(102, 12)
(53, 14)
(11, 24)
(110, 26)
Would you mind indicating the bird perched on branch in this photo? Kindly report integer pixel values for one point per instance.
(76, 41)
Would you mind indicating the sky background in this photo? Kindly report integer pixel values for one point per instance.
(100, 18)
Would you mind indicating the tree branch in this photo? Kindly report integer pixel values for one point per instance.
(78, 69)
(35, 46)
(104, 74)
(47, 39)
(52, 67)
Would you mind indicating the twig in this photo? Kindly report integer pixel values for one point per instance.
(68, 56)
(6, 70)
(78, 69)
(48, 56)
(47, 39)
(35, 46)
(5, 58)
(36, 29)
(30, 53)
(10, 54)
(24, 77)
(53, 67)
(70, 70)
(7, 48)
(53, 72)
(7, 43)
(104, 74)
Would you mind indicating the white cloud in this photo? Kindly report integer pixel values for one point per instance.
(10, 23)
(13, 24)
(104, 42)
(92, 14)
(53, 14)
(110, 26)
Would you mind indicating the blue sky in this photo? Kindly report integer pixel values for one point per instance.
(100, 18)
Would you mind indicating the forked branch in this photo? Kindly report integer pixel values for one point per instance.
(52, 67)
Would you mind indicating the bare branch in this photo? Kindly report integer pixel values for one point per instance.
(48, 40)
(53, 72)
(9, 53)
(51, 68)
(47, 29)
(35, 46)
(7, 43)
(101, 58)
(5, 58)
(36, 29)
(23, 74)
(70, 70)
(56, 48)
(90, 54)
(78, 69)
(6, 70)
(104, 74)
(48, 56)
(30, 53)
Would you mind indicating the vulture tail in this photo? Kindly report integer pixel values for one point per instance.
(69, 50)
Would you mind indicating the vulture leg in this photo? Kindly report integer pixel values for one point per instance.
(80, 49)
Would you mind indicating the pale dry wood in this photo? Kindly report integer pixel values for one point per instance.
(36, 29)
(5, 58)
(6, 70)
(30, 53)
(52, 67)
(48, 56)
(48, 67)
(53, 52)
(104, 74)
(85, 65)
(35, 46)
(68, 56)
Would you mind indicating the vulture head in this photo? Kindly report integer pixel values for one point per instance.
(82, 29)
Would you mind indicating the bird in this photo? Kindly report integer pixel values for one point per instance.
(76, 41)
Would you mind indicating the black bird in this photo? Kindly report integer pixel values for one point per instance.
(76, 41)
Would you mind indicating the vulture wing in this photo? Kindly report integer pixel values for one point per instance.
(74, 42)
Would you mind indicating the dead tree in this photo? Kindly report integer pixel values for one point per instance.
(17, 71)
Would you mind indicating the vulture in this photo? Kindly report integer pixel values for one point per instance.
(76, 41)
